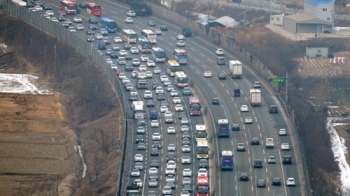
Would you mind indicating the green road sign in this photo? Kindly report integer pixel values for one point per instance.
(278, 80)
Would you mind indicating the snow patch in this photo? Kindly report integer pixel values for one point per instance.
(339, 150)
(22, 84)
(82, 159)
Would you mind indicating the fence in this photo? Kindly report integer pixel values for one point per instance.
(82, 46)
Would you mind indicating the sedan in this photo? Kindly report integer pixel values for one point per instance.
(202, 172)
(151, 23)
(77, 19)
(171, 130)
(138, 158)
(99, 36)
(261, 183)
(282, 132)
(163, 78)
(187, 172)
(141, 146)
(131, 13)
(134, 50)
(277, 181)
(186, 159)
(149, 74)
(244, 177)
(174, 93)
(207, 74)
(170, 87)
(271, 160)
(254, 141)
(154, 123)
(171, 147)
(185, 135)
(142, 68)
(285, 146)
(135, 172)
(184, 121)
(154, 152)
(79, 27)
(153, 183)
(176, 100)
(186, 149)
(159, 90)
(240, 147)
(144, 58)
(157, 70)
(244, 108)
(248, 120)
(151, 63)
(185, 193)
(141, 130)
(163, 27)
(123, 52)
(290, 182)
(184, 128)
(117, 40)
(104, 32)
(219, 52)
(222, 76)
(91, 26)
(179, 108)
(171, 164)
(90, 39)
(50, 13)
(186, 181)
(166, 190)
(163, 108)
(135, 62)
(128, 20)
(156, 136)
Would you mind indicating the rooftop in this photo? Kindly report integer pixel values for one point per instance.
(320, 2)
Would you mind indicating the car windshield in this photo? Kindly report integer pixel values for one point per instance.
(202, 189)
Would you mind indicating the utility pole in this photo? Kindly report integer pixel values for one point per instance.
(54, 65)
(286, 93)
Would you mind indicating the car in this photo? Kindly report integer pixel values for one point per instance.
(152, 170)
(282, 132)
(141, 122)
(139, 165)
(167, 82)
(215, 101)
(187, 172)
(174, 93)
(114, 55)
(222, 76)
(180, 37)
(64, 23)
(133, 98)
(154, 163)
(243, 177)
(170, 87)
(181, 115)
(50, 13)
(138, 158)
(240, 147)
(202, 172)
(185, 134)
(121, 60)
(187, 91)
(248, 120)
(131, 13)
(135, 62)
(151, 63)
(109, 61)
(141, 146)
(261, 183)
(285, 146)
(147, 94)
(98, 36)
(77, 19)
(46, 7)
(134, 74)
(219, 52)
(179, 108)
(176, 100)
(185, 193)
(157, 70)
(79, 27)
(163, 78)
(163, 27)
(271, 160)
(276, 181)
(72, 29)
(184, 121)
(273, 109)
(244, 108)
(129, 20)
(186, 148)
(104, 32)
(235, 127)
(157, 31)
(93, 20)
(144, 58)
(134, 50)
(171, 164)
(170, 171)
(123, 52)
(91, 26)
(164, 103)
(159, 90)
(54, 19)
(156, 144)
(142, 68)
(171, 130)
(161, 97)
(149, 74)
(187, 188)
(257, 84)
(156, 136)
(207, 74)
(128, 57)
(290, 182)
(203, 163)
(151, 23)
(186, 181)
(185, 159)
(37, 8)
(163, 108)
(121, 76)
(186, 141)
(90, 39)
(258, 163)
(139, 139)
(117, 40)
(129, 87)
(153, 176)
(170, 178)
(108, 51)
(135, 173)
(255, 141)
(166, 190)
(171, 147)
(154, 123)
(153, 183)
(127, 46)
(140, 129)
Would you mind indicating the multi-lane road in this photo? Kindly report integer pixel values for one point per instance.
(202, 58)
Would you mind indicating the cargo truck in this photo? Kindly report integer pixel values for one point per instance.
(235, 68)
(138, 109)
(255, 97)
(141, 83)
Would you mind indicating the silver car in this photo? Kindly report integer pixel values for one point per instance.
(152, 183)
(166, 190)
(186, 181)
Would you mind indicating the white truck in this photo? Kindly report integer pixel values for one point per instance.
(235, 68)
(168, 117)
(255, 97)
(138, 109)
(269, 143)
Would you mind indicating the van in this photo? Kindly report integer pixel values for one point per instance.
(220, 60)
(102, 45)
(153, 114)
(269, 143)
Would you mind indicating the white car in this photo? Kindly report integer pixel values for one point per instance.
(134, 50)
(187, 172)
(257, 84)
(126, 80)
(282, 132)
(186, 148)
(123, 52)
(77, 19)
(159, 89)
(176, 100)
(104, 31)
(163, 108)
(290, 182)
(128, 20)
(180, 43)
(248, 120)
(151, 63)
(50, 13)
(109, 61)
(72, 29)
(170, 171)
(180, 37)
(117, 40)
(154, 123)
(202, 172)
(157, 70)
(133, 93)
(135, 62)
(207, 74)
(135, 172)
(158, 31)
(174, 93)
(219, 51)
(171, 147)
(149, 74)
(171, 164)
(138, 158)
(37, 8)
(79, 27)
(285, 146)
(171, 130)
(134, 74)
(179, 108)
(122, 76)
(185, 159)
(244, 108)
(144, 58)
(121, 61)
(147, 94)
(185, 193)
(184, 128)
(99, 36)
(164, 78)
(156, 136)
(142, 68)
(131, 13)
(153, 170)
(138, 182)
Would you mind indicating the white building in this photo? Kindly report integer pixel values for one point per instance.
(322, 9)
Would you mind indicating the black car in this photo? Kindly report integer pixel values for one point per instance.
(276, 181)
(114, 55)
(287, 159)
(258, 163)
(154, 163)
(215, 101)
(244, 177)
(203, 163)
(61, 18)
(237, 92)
(161, 97)
(93, 20)
(128, 68)
(187, 91)
(133, 98)
(273, 109)
(139, 139)
(155, 85)
(154, 152)
(255, 141)
(128, 57)
(150, 103)
(222, 76)
(92, 27)
(30, 4)
(65, 25)
(127, 46)
(156, 144)
(187, 188)
(182, 114)
(46, 7)
(171, 156)
(82, 5)
(163, 28)
(235, 127)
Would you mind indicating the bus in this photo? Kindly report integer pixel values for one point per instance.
(110, 25)
(129, 36)
(93, 9)
(227, 161)
(202, 149)
(195, 106)
(144, 45)
(181, 79)
(202, 186)
(173, 67)
(201, 133)
(158, 54)
(223, 128)
(150, 35)
(181, 56)
(69, 7)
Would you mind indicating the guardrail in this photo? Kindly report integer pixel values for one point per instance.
(79, 44)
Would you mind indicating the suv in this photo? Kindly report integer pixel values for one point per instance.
(258, 163)
(171, 156)
(287, 159)
(237, 92)
(273, 109)
(203, 163)
(215, 101)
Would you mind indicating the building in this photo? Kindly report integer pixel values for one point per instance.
(322, 9)
(316, 52)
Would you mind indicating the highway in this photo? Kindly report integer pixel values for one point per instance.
(202, 58)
